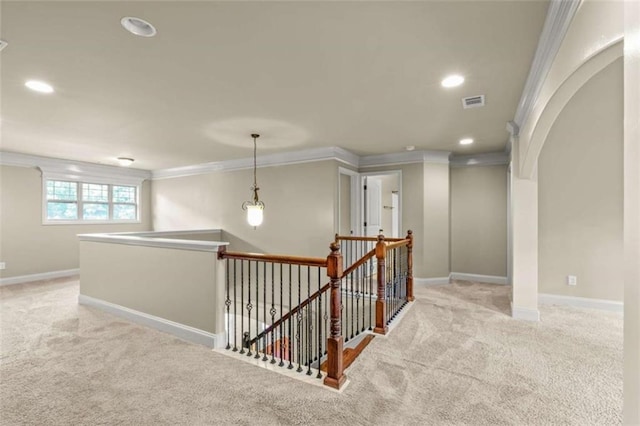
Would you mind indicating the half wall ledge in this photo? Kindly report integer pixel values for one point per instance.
(170, 280)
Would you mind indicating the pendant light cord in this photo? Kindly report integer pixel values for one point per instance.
(255, 167)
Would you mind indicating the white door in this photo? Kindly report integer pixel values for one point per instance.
(394, 214)
(372, 190)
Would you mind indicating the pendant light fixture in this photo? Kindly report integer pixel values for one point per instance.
(254, 208)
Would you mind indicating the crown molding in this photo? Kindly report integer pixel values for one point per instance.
(488, 159)
(271, 160)
(408, 157)
(54, 168)
(559, 17)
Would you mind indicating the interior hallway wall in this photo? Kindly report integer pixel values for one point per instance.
(29, 247)
(299, 210)
(581, 193)
(479, 220)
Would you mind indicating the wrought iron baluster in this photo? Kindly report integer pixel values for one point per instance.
(298, 322)
(227, 303)
(281, 364)
(249, 306)
(273, 315)
(309, 323)
(264, 310)
(370, 263)
(319, 331)
(242, 262)
(289, 321)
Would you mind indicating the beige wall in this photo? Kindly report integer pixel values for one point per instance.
(29, 247)
(345, 204)
(580, 193)
(299, 210)
(178, 285)
(435, 197)
(479, 220)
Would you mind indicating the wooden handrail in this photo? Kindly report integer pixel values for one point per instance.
(397, 244)
(290, 314)
(275, 258)
(361, 261)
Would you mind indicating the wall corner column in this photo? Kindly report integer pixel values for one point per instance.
(631, 219)
(524, 240)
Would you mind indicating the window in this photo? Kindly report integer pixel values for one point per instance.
(68, 201)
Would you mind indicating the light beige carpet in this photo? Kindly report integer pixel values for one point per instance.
(456, 358)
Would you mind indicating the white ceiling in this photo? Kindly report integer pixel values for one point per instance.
(364, 76)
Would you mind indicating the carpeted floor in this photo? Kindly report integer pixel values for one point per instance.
(455, 358)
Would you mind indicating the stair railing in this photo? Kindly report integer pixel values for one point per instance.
(389, 265)
(280, 308)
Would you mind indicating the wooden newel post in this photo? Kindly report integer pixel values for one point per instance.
(381, 254)
(410, 296)
(335, 374)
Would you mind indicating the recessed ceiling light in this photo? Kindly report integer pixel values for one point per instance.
(466, 141)
(452, 81)
(39, 86)
(125, 161)
(138, 26)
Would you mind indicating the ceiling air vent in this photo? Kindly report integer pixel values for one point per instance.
(3, 44)
(473, 102)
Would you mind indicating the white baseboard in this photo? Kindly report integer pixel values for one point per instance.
(580, 302)
(38, 277)
(526, 314)
(489, 279)
(431, 281)
(181, 331)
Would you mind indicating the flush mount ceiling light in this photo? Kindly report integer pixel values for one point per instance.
(454, 80)
(254, 208)
(39, 86)
(466, 141)
(138, 26)
(125, 161)
(3, 44)
(410, 147)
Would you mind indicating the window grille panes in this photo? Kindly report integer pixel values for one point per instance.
(124, 194)
(124, 212)
(63, 191)
(92, 211)
(95, 192)
(62, 211)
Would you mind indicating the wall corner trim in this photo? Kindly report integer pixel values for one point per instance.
(431, 281)
(181, 331)
(38, 277)
(580, 302)
(556, 24)
(487, 279)
(525, 314)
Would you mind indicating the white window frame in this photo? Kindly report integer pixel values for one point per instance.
(80, 202)
(78, 172)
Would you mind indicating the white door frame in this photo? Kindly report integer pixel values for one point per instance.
(355, 206)
(398, 174)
